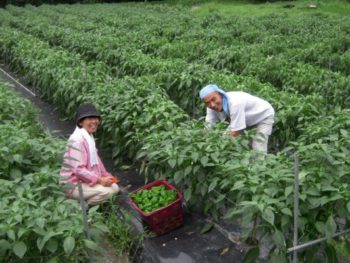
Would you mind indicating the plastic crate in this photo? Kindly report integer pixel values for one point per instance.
(164, 219)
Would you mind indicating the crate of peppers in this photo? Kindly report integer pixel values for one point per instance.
(160, 206)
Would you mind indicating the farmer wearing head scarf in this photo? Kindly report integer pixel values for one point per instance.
(82, 163)
(242, 110)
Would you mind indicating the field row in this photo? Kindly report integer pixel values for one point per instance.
(37, 220)
(132, 88)
(182, 81)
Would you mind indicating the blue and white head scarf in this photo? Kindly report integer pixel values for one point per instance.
(214, 88)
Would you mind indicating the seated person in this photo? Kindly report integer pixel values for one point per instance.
(82, 163)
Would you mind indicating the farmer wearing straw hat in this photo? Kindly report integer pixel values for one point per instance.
(243, 111)
(82, 163)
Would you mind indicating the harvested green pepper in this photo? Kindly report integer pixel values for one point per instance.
(154, 198)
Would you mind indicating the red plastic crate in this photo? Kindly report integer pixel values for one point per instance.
(164, 219)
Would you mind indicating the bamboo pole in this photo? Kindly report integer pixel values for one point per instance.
(296, 207)
(85, 221)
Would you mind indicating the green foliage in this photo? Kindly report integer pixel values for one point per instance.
(40, 2)
(22, 153)
(38, 222)
(154, 198)
(25, 147)
(134, 63)
(121, 231)
(342, 247)
(16, 109)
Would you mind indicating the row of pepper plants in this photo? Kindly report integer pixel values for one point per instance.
(334, 38)
(308, 36)
(37, 222)
(314, 27)
(295, 77)
(178, 75)
(141, 122)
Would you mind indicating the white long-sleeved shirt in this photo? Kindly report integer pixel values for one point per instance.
(245, 110)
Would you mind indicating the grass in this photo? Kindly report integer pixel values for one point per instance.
(256, 8)
(123, 242)
(342, 247)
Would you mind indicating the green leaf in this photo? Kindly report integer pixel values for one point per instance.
(252, 255)
(4, 245)
(11, 234)
(215, 156)
(232, 212)
(92, 245)
(313, 191)
(331, 254)
(125, 167)
(220, 198)
(285, 220)
(271, 191)
(287, 211)
(172, 163)
(18, 219)
(247, 218)
(48, 236)
(245, 234)
(331, 227)
(93, 209)
(314, 202)
(278, 238)
(102, 227)
(278, 258)
(302, 176)
(224, 183)
(69, 244)
(207, 227)
(52, 245)
(213, 184)
(53, 260)
(18, 158)
(204, 189)
(40, 243)
(19, 249)
(195, 169)
(15, 173)
(39, 231)
(204, 160)
(320, 227)
(178, 176)
(268, 215)
(237, 185)
(195, 156)
(40, 222)
(188, 170)
(187, 194)
(344, 132)
(335, 197)
(348, 206)
(329, 188)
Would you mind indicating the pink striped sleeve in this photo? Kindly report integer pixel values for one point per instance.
(77, 159)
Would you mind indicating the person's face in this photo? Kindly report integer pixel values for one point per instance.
(214, 101)
(90, 124)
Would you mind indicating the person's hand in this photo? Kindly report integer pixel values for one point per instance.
(106, 180)
(234, 133)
